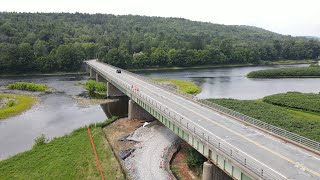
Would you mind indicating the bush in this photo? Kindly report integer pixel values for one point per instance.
(11, 103)
(41, 140)
(194, 158)
(95, 88)
(286, 72)
(27, 86)
(183, 85)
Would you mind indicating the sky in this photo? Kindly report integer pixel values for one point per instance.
(289, 17)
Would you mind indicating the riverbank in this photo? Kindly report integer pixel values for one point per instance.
(44, 74)
(67, 157)
(13, 104)
(304, 123)
(262, 63)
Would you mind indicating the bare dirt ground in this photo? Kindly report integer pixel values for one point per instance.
(146, 147)
(179, 164)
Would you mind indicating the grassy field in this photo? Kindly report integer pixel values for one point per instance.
(67, 157)
(297, 121)
(16, 104)
(184, 86)
(296, 100)
(300, 72)
(27, 86)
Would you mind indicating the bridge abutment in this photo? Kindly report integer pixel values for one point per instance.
(137, 112)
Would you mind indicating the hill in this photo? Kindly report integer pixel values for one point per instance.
(45, 42)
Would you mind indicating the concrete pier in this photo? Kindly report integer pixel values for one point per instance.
(99, 78)
(113, 91)
(207, 171)
(137, 112)
(92, 74)
(213, 172)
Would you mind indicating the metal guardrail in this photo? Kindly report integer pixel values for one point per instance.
(268, 127)
(208, 138)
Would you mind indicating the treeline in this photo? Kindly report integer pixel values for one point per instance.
(41, 42)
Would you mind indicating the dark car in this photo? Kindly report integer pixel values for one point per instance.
(118, 70)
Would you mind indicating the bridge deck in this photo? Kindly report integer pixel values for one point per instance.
(290, 161)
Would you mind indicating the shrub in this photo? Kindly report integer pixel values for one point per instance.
(27, 86)
(11, 103)
(194, 158)
(41, 140)
(94, 87)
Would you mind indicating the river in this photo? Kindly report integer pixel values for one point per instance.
(58, 113)
(230, 82)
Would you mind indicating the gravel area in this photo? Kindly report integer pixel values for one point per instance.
(149, 159)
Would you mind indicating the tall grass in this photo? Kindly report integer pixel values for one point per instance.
(27, 86)
(302, 123)
(21, 103)
(67, 157)
(303, 101)
(286, 73)
(183, 85)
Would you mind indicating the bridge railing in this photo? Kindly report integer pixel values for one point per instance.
(252, 121)
(207, 138)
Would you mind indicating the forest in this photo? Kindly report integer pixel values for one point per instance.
(53, 42)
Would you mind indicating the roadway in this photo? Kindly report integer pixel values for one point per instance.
(288, 160)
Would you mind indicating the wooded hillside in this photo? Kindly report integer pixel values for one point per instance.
(42, 42)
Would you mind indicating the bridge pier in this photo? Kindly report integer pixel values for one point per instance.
(113, 91)
(213, 172)
(93, 74)
(99, 78)
(137, 112)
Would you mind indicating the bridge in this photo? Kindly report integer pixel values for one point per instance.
(241, 146)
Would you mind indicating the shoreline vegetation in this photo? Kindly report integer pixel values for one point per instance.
(15, 104)
(262, 63)
(28, 86)
(298, 72)
(288, 111)
(182, 85)
(66, 157)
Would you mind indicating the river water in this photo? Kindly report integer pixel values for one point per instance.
(231, 82)
(58, 113)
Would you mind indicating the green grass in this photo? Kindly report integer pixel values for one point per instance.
(67, 157)
(303, 101)
(184, 86)
(300, 72)
(21, 103)
(27, 86)
(299, 122)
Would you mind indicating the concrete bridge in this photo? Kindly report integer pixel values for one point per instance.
(241, 146)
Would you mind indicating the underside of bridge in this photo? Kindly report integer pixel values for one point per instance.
(125, 103)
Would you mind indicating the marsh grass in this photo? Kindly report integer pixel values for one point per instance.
(183, 85)
(17, 104)
(27, 86)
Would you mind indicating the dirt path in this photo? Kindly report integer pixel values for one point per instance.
(151, 145)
